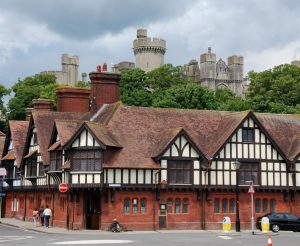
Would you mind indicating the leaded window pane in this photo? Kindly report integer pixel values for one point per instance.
(231, 205)
(257, 205)
(185, 208)
(127, 205)
(177, 206)
(217, 205)
(224, 206)
(265, 205)
(170, 205)
(134, 205)
(272, 205)
(143, 205)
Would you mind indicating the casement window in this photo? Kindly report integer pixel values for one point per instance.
(55, 160)
(224, 205)
(257, 205)
(177, 205)
(181, 205)
(217, 205)
(179, 171)
(15, 205)
(170, 205)
(227, 206)
(87, 160)
(267, 205)
(31, 165)
(136, 205)
(231, 205)
(185, 206)
(248, 172)
(248, 135)
(143, 205)
(127, 205)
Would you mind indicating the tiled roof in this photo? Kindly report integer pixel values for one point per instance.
(284, 130)
(19, 130)
(66, 129)
(44, 122)
(9, 156)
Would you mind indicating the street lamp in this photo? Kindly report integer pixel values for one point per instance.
(237, 165)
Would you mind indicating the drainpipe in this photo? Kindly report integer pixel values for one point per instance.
(154, 200)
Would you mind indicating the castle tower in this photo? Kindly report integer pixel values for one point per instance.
(149, 52)
(70, 66)
(236, 74)
(296, 63)
(208, 69)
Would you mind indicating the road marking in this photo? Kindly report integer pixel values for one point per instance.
(4, 239)
(92, 242)
(225, 237)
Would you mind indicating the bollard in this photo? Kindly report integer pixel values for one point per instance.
(265, 224)
(226, 224)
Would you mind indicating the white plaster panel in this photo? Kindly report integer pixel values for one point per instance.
(174, 150)
(220, 178)
(290, 175)
(83, 138)
(239, 134)
(186, 151)
(177, 142)
(233, 177)
(256, 132)
(183, 141)
(222, 153)
(75, 143)
(133, 176)
(283, 166)
(263, 138)
(233, 151)
(219, 165)
(196, 177)
(270, 166)
(212, 177)
(226, 165)
(148, 177)
(276, 166)
(82, 179)
(274, 154)
(97, 144)
(270, 178)
(240, 151)
(213, 165)
(226, 178)
(194, 153)
(251, 151)
(163, 175)
(263, 166)
(155, 177)
(245, 124)
(90, 139)
(163, 164)
(204, 179)
(125, 176)
(277, 179)
(89, 178)
(297, 166)
(269, 152)
(263, 151)
(233, 139)
(257, 151)
(110, 176)
(298, 179)
(118, 176)
(263, 178)
(105, 172)
(283, 179)
(167, 153)
(196, 165)
(246, 154)
(251, 123)
(97, 178)
(140, 176)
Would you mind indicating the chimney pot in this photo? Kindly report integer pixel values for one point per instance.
(42, 104)
(104, 67)
(28, 113)
(99, 68)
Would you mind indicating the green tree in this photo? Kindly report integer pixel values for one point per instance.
(33, 87)
(275, 90)
(228, 101)
(83, 84)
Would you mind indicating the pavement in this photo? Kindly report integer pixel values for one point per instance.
(27, 225)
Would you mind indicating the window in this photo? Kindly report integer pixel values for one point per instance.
(248, 135)
(291, 217)
(231, 205)
(265, 205)
(15, 205)
(31, 165)
(170, 205)
(257, 205)
(248, 172)
(224, 206)
(143, 205)
(55, 160)
(135, 205)
(185, 207)
(87, 160)
(179, 172)
(177, 206)
(127, 205)
(217, 205)
(272, 205)
(10, 169)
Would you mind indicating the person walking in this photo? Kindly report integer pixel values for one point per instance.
(47, 214)
(41, 214)
(35, 215)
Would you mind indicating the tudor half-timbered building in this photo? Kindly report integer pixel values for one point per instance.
(150, 168)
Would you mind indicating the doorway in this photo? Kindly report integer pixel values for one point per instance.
(92, 209)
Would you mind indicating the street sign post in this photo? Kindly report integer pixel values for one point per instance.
(252, 191)
(63, 187)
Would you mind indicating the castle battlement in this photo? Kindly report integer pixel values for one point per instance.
(149, 42)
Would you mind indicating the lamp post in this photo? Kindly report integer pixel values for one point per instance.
(237, 165)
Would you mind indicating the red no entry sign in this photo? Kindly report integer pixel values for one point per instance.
(63, 187)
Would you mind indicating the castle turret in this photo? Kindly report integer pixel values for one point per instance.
(70, 66)
(149, 52)
(296, 63)
(236, 68)
(208, 65)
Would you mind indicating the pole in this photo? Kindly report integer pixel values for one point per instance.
(237, 220)
(252, 214)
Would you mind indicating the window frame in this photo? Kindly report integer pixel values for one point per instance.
(175, 172)
(83, 155)
(248, 135)
(126, 207)
(242, 171)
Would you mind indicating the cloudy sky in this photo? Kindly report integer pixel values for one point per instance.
(34, 33)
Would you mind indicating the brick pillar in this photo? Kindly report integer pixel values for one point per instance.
(42, 104)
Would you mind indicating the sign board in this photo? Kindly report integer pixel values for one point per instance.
(63, 187)
(251, 189)
(2, 171)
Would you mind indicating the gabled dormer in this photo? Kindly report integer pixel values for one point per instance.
(180, 159)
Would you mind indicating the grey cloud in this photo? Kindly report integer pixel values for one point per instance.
(91, 18)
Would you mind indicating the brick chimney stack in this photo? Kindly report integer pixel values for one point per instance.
(73, 99)
(42, 104)
(105, 88)
(28, 113)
